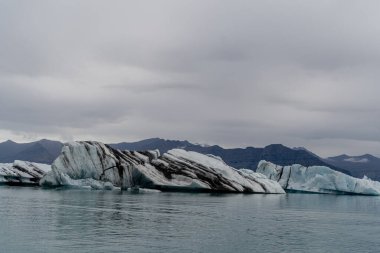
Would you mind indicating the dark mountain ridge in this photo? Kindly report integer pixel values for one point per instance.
(359, 166)
(42, 151)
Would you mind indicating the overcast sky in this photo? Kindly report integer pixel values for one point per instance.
(233, 73)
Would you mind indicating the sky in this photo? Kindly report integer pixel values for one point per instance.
(233, 73)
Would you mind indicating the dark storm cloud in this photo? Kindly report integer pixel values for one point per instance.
(235, 73)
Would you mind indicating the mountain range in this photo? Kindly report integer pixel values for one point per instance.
(46, 151)
(42, 151)
(358, 166)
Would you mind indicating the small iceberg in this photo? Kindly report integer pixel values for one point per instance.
(317, 179)
(22, 173)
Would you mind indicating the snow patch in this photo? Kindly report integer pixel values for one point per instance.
(356, 160)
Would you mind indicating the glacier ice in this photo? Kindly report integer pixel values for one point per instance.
(317, 179)
(94, 163)
(97, 166)
(22, 172)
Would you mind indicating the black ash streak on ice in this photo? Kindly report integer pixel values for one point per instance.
(176, 170)
(22, 173)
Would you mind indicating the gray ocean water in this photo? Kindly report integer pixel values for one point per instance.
(35, 220)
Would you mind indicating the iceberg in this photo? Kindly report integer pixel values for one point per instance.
(96, 165)
(22, 173)
(317, 179)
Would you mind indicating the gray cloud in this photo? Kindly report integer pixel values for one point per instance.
(234, 73)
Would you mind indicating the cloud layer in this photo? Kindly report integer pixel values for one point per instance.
(235, 73)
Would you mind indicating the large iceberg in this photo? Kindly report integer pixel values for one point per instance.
(317, 179)
(22, 173)
(97, 165)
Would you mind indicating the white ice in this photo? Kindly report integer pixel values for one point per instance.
(317, 179)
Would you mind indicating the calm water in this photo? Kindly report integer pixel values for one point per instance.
(36, 220)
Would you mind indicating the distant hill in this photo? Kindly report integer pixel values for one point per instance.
(358, 166)
(43, 151)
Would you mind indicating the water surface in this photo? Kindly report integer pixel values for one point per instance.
(37, 220)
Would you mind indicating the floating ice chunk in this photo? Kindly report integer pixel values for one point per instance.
(317, 179)
(22, 172)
